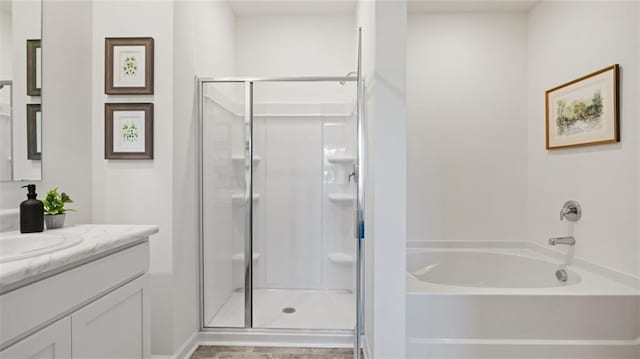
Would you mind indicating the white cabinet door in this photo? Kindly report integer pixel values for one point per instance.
(114, 326)
(51, 342)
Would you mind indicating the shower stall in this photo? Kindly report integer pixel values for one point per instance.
(281, 204)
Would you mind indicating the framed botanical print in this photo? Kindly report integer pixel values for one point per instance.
(128, 131)
(128, 66)
(34, 132)
(34, 67)
(584, 111)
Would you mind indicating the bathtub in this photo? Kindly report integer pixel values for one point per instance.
(468, 299)
(486, 269)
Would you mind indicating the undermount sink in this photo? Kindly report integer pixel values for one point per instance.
(22, 246)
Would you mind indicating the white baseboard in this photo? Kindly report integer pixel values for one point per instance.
(188, 347)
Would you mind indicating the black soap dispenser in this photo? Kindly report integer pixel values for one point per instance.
(31, 212)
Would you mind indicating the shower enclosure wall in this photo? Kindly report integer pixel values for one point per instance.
(278, 161)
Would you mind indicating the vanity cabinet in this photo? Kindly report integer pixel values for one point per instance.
(52, 342)
(113, 326)
(96, 309)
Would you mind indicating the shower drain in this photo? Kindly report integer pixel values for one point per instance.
(288, 310)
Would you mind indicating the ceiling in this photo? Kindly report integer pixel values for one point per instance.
(434, 6)
(346, 7)
(293, 7)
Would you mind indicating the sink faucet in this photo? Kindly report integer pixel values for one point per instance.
(569, 241)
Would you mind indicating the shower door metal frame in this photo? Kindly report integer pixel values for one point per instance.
(248, 255)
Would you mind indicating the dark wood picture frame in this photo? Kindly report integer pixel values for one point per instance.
(109, 44)
(32, 67)
(32, 131)
(616, 108)
(109, 109)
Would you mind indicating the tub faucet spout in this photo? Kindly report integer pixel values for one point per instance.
(569, 241)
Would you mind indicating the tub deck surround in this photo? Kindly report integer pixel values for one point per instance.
(591, 278)
(525, 265)
(97, 240)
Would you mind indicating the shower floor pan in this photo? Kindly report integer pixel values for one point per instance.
(290, 309)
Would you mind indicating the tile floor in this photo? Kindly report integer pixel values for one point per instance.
(313, 310)
(221, 352)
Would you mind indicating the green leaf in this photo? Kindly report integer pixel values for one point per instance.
(54, 202)
(65, 198)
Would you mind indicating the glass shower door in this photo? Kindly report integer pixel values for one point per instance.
(278, 186)
(225, 189)
(304, 142)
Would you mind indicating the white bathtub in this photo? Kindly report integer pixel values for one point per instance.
(468, 268)
(502, 300)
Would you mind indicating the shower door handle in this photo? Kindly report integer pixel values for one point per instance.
(353, 174)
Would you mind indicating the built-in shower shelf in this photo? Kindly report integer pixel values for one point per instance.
(341, 197)
(238, 197)
(340, 258)
(239, 257)
(240, 159)
(341, 159)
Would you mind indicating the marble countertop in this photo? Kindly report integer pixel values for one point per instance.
(96, 239)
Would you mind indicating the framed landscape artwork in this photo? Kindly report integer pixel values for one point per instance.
(128, 66)
(34, 132)
(34, 67)
(128, 131)
(584, 111)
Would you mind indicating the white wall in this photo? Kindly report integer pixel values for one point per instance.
(140, 191)
(161, 191)
(67, 104)
(320, 45)
(384, 69)
(272, 46)
(203, 46)
(67, 99)
(476, 151)
(564, 44)
(467, 133)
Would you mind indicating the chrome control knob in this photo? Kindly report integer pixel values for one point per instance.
(571, 210)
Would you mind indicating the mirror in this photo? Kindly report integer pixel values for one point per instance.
(20, 90)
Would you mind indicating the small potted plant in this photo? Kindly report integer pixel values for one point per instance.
(54, 211)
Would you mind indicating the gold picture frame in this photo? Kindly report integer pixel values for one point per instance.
(585, 111)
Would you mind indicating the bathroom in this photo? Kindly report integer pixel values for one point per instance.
(348, 178)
